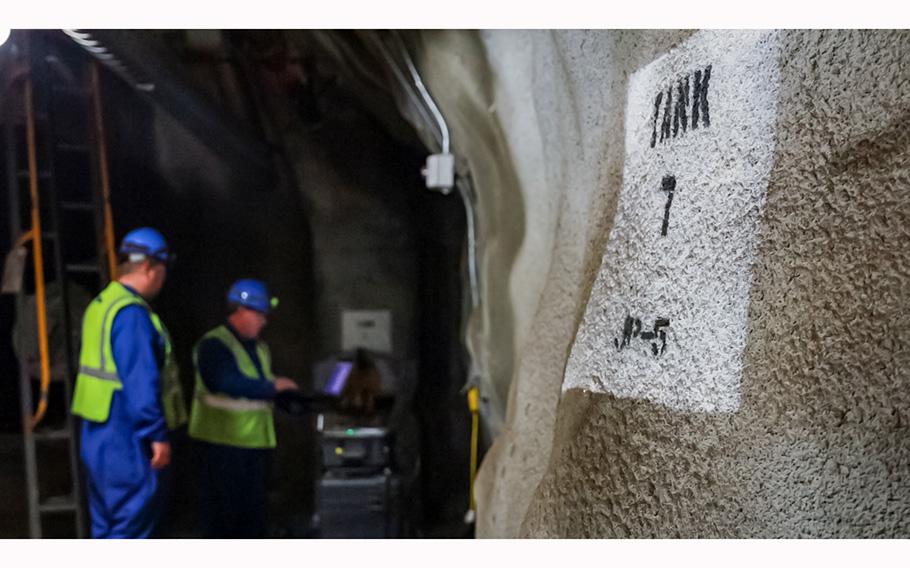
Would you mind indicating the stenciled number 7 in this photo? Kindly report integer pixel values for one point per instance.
(669, 185)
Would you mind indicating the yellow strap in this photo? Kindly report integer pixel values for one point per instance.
(474, 407)
(38, 256)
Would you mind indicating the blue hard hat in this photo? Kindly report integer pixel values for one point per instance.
(251, 294)
(146, 242)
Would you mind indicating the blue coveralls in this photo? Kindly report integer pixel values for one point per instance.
(234, 502)
(126, 496)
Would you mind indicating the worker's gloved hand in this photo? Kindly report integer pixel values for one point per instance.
(284, 383)
(161, 454)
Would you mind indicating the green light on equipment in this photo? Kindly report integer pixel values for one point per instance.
(274, 302)
(349, 431)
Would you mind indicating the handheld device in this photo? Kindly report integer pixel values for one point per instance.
(339, 377)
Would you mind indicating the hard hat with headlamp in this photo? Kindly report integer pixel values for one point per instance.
(251, 294)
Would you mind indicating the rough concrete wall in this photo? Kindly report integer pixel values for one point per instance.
(557, 142)
(454, 64)
(819, 446)
(819, 443)
(363, 238)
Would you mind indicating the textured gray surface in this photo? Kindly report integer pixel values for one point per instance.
(547, 172)
(455, 66)
(819, 445)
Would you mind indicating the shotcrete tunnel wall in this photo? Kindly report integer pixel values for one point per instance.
(812, 437)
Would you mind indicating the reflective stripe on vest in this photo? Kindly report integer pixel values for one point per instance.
(232, 404)
(99, 374)
(220, 419)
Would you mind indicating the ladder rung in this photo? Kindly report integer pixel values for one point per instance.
(52, 434)
(43, 174)
(60, 504)
(19, 120)
(77, 205)
(72, 91)
(82, 267)
(75, 148)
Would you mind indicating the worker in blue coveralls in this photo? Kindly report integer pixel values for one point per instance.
(231, 419)
(128, 393)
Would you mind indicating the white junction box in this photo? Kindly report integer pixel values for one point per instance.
(370, 329)
(440, 171)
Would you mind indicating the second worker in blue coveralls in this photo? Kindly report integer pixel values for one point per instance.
(128, 393)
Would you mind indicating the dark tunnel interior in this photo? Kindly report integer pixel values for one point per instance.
(336, 218)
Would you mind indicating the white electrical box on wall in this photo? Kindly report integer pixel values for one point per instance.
(370, 329)
(440, 171)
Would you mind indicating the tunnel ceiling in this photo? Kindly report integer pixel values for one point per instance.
(148, 63)
(219, 83)
(306, 66)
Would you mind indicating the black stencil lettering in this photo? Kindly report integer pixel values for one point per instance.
(660, 97)
(626, 332)
(700, 98)
(658, 324)
(667, 118)
(673, 106)
(632, 329)
(682, 103)
(668, 184)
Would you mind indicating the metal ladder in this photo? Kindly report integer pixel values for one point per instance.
(62, 176)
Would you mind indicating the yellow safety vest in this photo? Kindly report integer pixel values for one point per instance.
(221, 419)
(98, 378)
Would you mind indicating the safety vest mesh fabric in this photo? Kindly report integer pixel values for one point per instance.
(98, 379)
(221, 419)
